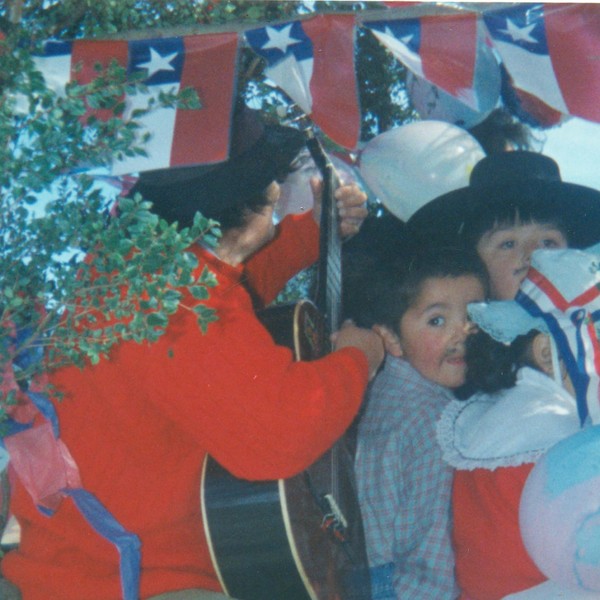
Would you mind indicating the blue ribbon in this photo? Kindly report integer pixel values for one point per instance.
(579, 379)
(128, 544)
(100, 519)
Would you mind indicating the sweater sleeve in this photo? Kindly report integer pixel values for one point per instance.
(244, 399)
(295, 247)
(258, 413)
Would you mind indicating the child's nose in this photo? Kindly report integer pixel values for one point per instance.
(462, 330)
(469, 327)
(529, 248)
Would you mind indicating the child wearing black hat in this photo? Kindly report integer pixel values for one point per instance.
(515, 203)
(534, 365)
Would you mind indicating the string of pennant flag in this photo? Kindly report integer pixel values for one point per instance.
(550, 52)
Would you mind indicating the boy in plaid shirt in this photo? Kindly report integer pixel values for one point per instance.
(419, 307)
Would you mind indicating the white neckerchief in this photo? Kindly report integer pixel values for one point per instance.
(509, 428)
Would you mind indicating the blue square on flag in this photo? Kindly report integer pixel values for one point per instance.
(275, 42)
(56, 48)
(161, 58)
(522, 26)
(408, 31)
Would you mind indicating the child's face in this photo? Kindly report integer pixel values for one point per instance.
(433, 331)
(506, 252)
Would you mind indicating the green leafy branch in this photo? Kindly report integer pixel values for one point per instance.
(77, 275)
(138, 273)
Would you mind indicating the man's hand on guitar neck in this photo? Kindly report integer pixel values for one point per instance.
(366, 340)
(351, 204)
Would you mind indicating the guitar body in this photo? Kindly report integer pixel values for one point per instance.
(291, 539)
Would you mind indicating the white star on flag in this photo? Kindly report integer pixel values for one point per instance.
(158, 62)
(405, 40)
(519, 34)
(400, 48)
(280, 39)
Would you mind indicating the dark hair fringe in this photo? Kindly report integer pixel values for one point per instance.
(391, 286)
(526, 208)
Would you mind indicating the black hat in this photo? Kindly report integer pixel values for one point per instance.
(508, 183)
(260, 154)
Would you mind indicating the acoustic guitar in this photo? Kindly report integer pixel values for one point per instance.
(299, 538)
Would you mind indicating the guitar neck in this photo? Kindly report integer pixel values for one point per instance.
(329, 279)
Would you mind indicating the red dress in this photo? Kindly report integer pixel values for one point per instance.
(493, 443)
(491, 560)
(140, 423)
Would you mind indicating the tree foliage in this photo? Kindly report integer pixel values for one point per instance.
(137, 268)
(137, 271)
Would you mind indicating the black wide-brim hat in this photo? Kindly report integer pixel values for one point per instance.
(502, 185)
(260, 154)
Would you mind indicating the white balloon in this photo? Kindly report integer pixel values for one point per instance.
(408, 166)
(559, 512)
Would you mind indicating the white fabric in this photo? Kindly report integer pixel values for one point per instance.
(504, 320)
(549, 590)
(510, 428)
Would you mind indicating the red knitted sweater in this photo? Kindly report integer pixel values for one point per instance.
(140, 423)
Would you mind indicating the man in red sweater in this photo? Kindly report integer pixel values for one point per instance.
(140, 423)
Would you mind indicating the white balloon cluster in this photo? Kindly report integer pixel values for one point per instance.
(408, 166)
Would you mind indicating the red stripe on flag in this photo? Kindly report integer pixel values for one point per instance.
(586, 297)
(202, 136)
(556, 297)
(573, 35)
(448, 51)
(548, 288)
(543, 114)
(333, 86)
(87, 55)
(593, 336)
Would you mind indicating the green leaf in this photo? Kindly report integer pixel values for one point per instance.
(199, 292)
(157, 319)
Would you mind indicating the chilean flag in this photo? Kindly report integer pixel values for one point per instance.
(552, 51)
(312, 61)
(563, 288)
(440, 49)
(177, 137)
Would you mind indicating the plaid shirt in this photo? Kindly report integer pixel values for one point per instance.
(404, 487)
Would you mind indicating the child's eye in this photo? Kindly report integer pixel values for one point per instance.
(436, 321)
(549, 243)
(507, 244)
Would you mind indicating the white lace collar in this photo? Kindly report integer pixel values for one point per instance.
(510, 428)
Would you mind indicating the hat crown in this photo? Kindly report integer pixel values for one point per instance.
(513, 167)
(260, 153)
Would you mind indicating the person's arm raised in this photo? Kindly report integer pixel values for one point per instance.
(351, 204)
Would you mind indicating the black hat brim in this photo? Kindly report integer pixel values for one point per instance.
(177, 194)
(448, 218)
